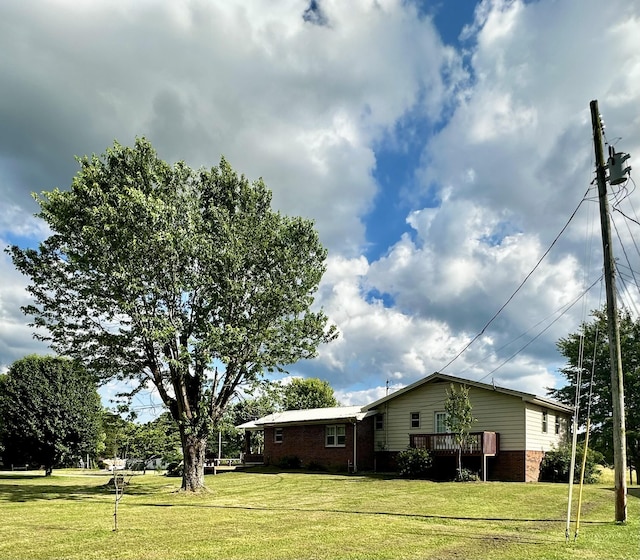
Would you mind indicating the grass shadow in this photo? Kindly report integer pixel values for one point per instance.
(634, 491)
(372, 513)
(274, 470)
(21, 476)
(50, 488)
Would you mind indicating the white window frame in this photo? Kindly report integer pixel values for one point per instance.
(440, 420)
(558, 427)
(335, 435)
(545, 422)
(380, 421)
(278, 435)
(414, 420)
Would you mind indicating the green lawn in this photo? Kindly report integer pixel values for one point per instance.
(260, 515)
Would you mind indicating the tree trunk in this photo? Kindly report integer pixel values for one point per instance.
(193, 449)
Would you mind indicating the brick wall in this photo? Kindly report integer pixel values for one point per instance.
(516, 466)
(366, 444)
(507, 466)
(307, 443)
(534, 458)
(385, 461)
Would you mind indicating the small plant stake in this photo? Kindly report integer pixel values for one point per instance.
(120, 482)
(119, 492)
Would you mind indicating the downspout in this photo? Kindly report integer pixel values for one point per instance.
(355, 446)
(385, 426)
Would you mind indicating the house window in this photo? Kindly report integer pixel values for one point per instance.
(415, 420)
(379, 421)
(335, 436)
(557, 424)
(277, 435)
(545, 421)
(440, 422)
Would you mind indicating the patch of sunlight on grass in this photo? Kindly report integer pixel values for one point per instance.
(273, 516)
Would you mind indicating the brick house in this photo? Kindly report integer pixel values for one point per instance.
(337, 438)
(512, 432)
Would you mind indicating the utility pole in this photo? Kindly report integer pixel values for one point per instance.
(617, 386)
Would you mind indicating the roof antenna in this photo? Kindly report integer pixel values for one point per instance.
(493, 382)
(387, 392)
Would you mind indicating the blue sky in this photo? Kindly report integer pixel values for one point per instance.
(439, 146)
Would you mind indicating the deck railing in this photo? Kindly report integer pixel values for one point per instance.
(478, 443)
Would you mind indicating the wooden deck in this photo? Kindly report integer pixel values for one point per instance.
(479, 444)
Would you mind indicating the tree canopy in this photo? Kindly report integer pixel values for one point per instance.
(140, 443)
(241, 411)
(185, 279)
(274, 396)
(49, 412)
(307, 393)
(596, 358)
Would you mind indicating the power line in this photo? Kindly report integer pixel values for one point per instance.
(576, 300)
(562, 310)
(624, 252)
(519, 287)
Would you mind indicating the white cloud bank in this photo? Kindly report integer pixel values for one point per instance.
(505, 160)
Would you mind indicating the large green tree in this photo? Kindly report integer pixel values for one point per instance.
(50, 412)
(593, 336)
(115, 430)
(241, 411)
(306, 393)
(273, 397)
(140, 443)
(184, 279)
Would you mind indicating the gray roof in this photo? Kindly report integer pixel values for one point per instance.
(357, 413)
(321, 415)
(527, 397)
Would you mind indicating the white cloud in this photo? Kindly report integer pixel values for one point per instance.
(509, 168)
(298, 104)
(507, 151)
(16, 340)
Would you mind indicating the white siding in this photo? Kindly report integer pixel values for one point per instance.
(495, 412)
(537, 440)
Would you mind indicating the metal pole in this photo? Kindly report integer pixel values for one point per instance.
(617, 386)
(355, 446)
(572, 463)
(584, 467)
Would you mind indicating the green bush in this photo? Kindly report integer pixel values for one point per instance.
(556, 464)
(175, 469)
(290, 462)
(414, 463)
(317, 466)
(465, 475)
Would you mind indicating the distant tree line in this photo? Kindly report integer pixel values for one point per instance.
(49, 413)
(593, 335)
(51, 417)
(298, 394)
